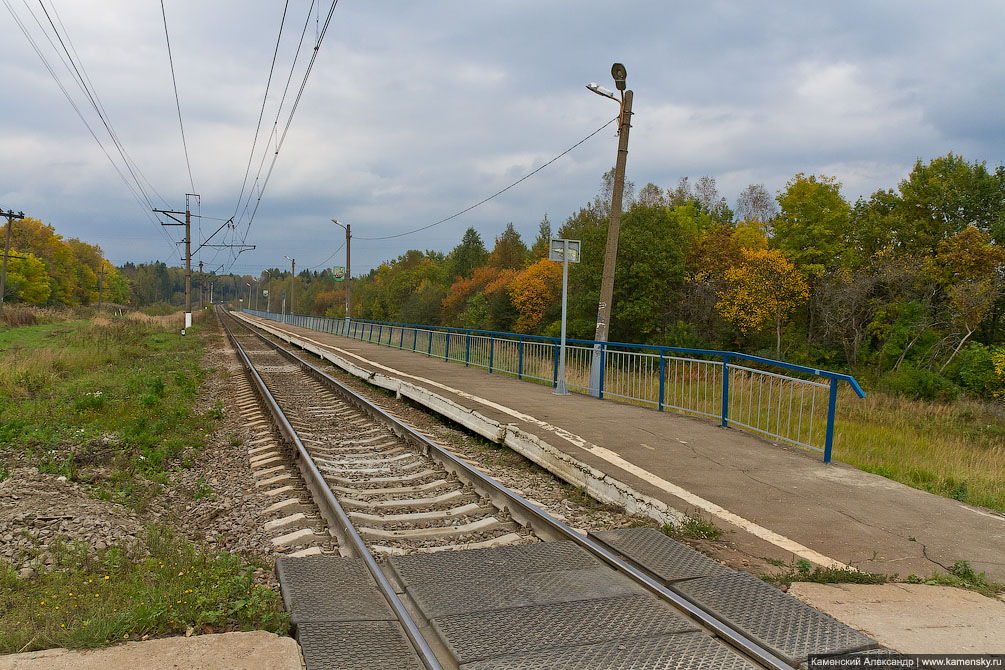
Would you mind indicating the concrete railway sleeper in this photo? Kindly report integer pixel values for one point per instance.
(468, 574)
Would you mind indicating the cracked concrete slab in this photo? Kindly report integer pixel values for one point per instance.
(913, 618)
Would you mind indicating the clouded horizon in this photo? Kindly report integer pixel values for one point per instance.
(415, 111)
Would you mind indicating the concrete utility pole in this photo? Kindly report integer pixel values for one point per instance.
(200, 286)
(348, 275)
(188, 253)
(268, 297)
(614, 227)
(293, 280)
(6, 250)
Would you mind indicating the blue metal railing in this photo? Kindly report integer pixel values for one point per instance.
(736, 389)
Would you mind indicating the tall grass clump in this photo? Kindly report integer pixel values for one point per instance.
(953, 449)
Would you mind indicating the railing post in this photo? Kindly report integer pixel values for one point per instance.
(831, 404)
(554, 383)
(401, 339)
(380, 333)
(519, 365)
(415, 338)
(492, 347)
(429, 349)
(603, 363)
(725, 391)
(467, 350)
(663, 368)
(446, 348)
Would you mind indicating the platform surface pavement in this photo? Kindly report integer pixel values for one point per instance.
(772, 499)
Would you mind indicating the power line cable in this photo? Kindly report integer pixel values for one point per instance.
(72, 68)
(90, 84)
(497, 193)
(275, 123)
(145, 206)
(261, 113)
(325, 261)
(174, 82)
(293, 109)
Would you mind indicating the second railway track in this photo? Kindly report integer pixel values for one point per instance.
(443, 567)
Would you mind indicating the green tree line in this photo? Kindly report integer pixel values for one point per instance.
(904, 287)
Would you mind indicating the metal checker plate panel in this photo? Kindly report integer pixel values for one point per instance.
(441, 599)
(776, 620)
(347, 603)
(326, 588)
(484, 635)
(684, 651)
(668, 559)
(323, 570)
(493, 562)
(364, 645)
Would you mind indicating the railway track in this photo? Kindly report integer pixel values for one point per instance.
(461, 572)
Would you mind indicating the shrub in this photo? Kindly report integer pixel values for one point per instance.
(980, 370)
(920, 383)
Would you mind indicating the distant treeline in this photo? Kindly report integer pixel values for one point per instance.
(904, 287)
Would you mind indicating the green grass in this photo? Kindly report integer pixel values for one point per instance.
(961, 575)
(692, 527)
(105, 403)
(803, 571)
(163, 587)
(955, 450)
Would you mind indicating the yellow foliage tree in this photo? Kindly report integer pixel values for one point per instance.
(765, 287)
(533, 291)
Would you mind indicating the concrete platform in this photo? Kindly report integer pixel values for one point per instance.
(776, 501)
(913, 618)
(257, 650)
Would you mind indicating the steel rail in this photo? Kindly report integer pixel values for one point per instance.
(540, 521)
(332, 510)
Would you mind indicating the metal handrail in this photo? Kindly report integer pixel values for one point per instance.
(370, 330)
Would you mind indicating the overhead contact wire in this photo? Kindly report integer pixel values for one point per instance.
(494, 195)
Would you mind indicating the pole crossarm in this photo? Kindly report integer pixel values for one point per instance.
(171, 214)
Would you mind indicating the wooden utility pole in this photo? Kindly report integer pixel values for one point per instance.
(101, 275)
(11, 215)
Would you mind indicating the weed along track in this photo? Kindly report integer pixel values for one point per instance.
(416, 559)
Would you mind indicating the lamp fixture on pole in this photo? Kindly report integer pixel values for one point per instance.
(348, 275)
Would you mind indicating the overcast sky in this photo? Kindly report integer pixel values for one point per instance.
(417, 110)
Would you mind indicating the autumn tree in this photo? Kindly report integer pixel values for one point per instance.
(509, 252)
(945, 196)
(26, 279)
(542, 242)
(810, 227)
(969, 266)
(533, 291)
(467, 255)
(755, 204)
(764, 288)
